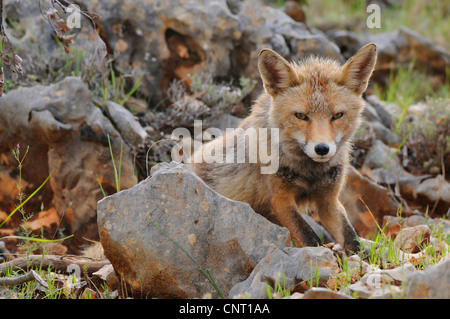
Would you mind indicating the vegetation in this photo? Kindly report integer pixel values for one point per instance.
(428, 138)
(380, 253)
(42, 284)
(428, 18)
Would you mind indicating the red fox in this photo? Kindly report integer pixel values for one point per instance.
(316, 106)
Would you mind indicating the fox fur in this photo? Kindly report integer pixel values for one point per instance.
(316, 105)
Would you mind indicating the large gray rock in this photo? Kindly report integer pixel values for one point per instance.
(129, 127)
(67, 136)
(266, 27)
(383, 164)
(400, 47)
(431, 191)
(166, 40)
(287, 268)
(433, 282)
(396, 49)
(366, 202)
(225, 237)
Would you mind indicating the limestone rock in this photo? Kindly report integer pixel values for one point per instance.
(287, 267)
(323, 293)
(67, 136)
(382, 283)
(433, 282)
(130, 129)
(167, 40)
(412, 239)
(359, 188)
(431, 191)
(401, 47)
(396, 49)
(393, 224)
(383, 165)
(386, 116)
(225, 237)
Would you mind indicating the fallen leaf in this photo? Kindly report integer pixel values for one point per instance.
(44, 219)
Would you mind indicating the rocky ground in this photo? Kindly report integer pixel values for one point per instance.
(193, 242)
(228, 239)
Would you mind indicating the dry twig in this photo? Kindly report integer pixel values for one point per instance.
(56, 262)
(32, 275)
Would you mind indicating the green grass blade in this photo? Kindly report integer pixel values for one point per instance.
(41, 240)
(136, 85)
(101, 187)
(116, 177)
(269, 293)
(26, 200)
(120, 167)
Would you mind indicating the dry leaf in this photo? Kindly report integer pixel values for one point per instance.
(61, 23)
(51, 13)
(68, 38)
(44, 219)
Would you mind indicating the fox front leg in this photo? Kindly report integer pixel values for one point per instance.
(284, 210)
(302, 234)
(334, 218)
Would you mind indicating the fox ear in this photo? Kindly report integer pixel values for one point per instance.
(358, 69)
(277, 74)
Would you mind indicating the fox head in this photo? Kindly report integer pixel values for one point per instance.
(317, 103)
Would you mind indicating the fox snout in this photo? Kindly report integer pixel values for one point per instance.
(320, 152)
(322, 149)
(319, 139)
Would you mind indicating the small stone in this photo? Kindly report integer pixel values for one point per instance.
(130, 129)
(323, 293)
(295, 11)
(413, 239)
(291, 267)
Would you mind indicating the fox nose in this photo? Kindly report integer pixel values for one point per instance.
(322, 149)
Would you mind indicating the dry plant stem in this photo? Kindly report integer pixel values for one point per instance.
(373, 217)
(88, 15)
(32, 275)
(2, 75)
(56, 262)
(2, 81)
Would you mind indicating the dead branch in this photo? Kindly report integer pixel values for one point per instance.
(64, 264)
(56, 20)
(32, 275)
(8, 55)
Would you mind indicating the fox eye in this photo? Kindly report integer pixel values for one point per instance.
(337, 116)
(301, 116)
